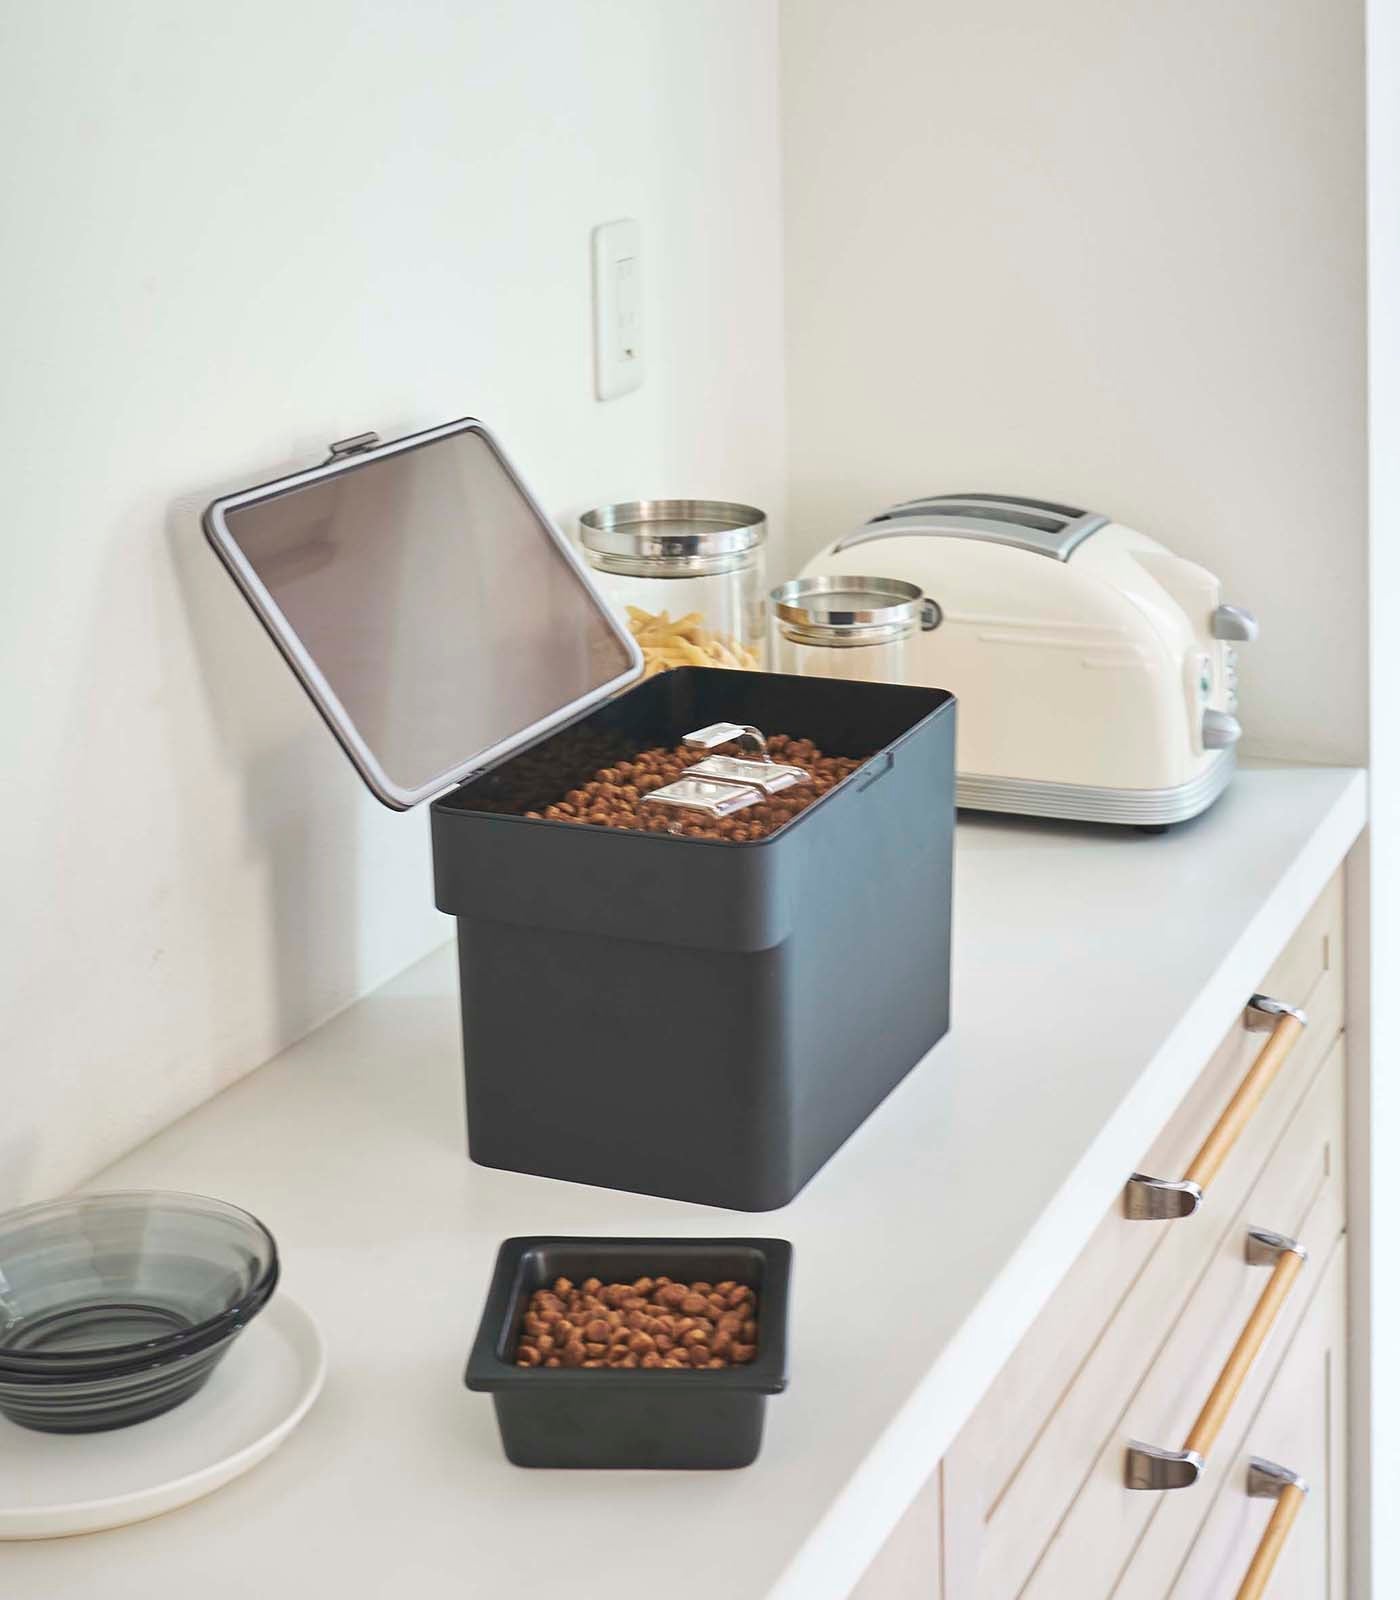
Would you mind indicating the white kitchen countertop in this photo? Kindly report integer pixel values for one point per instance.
(1094, 971)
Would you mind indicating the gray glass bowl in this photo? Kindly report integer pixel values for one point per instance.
(117, 1307)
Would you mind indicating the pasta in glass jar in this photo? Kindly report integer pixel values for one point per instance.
(686, 576)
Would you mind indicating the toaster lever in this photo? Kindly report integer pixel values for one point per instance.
(1234, 622)
(1219, 730)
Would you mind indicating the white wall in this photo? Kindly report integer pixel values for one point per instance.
(1108, 252)
(234, 232)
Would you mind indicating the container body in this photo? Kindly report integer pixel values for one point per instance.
(643, 1428)
(818, 957)
(75, 1403)
(725, 611)
(701, 1420)
(881, 660)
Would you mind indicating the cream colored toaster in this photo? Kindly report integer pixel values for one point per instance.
(1095, 671)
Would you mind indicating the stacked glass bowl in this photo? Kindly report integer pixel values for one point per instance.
(116, 1307)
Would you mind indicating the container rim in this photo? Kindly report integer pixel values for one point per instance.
(488, 1372)
(443, 804)
(808, 602)
(640, 532)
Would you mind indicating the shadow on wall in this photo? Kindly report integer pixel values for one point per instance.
(271, 743)
(205, 898)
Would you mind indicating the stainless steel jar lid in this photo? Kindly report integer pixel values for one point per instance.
(671, 538)
(849, 610)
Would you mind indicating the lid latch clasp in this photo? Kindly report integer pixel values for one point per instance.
(355, 445)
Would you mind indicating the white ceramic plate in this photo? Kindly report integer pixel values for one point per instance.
(55, 1484)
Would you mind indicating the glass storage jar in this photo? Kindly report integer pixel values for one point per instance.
(686, 576)
(847, 627)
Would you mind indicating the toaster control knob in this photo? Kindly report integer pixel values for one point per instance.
(1234, 622)
(1219, 730)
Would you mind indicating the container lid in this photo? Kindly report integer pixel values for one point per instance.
(847, 607)
(669, 536)
(434, 614)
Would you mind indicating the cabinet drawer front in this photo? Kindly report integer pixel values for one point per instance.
(1310, 973)
(910, 1563)
(1301, 1423)
(1300, 1192)
(1013, 1471)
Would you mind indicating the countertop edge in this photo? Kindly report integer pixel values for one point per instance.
(857, 1523)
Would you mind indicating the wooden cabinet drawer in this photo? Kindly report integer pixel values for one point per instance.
(1301, 1192)
(909, 1565)
(1301, 1424)
(1013, 1472)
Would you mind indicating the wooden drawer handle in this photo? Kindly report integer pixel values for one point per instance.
(1269, 1481)
(1147, 1199)
(1151, 1467)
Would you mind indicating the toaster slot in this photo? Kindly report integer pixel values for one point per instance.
(1019, 519)
(1041, 527)
(979, 497)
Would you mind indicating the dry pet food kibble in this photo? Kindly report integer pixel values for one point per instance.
(613, 797)
(653, 1322)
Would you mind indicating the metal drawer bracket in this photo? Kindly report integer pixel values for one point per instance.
(1151, 1468)
(1263, 1248)
(1267, 1480)
(1263, 1011)
(1159, 1199)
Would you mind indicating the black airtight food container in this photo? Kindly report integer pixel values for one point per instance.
(563, 1417)
(702, 1019)
(698, 1018)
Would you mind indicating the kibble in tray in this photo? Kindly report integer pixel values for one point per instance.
(613, 797)
(654, 1323)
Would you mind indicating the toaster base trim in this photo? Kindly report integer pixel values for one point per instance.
(1088, 803)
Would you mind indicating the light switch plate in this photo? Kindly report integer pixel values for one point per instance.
(617, 308)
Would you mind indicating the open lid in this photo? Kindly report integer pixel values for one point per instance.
(434, 614)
